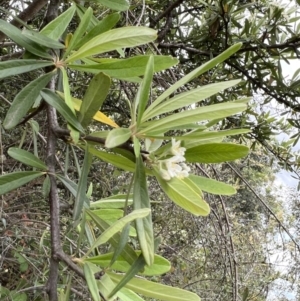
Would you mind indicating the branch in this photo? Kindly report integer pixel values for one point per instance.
(26, 14)
(265, 205)
(166, 12)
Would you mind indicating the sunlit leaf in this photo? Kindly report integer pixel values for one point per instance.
(57, 27)
(216, 152)
(194, 115)
(127, 68)
(117, 226)
(117, 137)
(113, 39)
(184, 194)
(198, 71)
(188, 98)
(102, 26)
(212, 186)
(99, 116)
(160, 265)
(155, 290)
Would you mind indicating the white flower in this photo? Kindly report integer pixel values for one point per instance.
(176, 149)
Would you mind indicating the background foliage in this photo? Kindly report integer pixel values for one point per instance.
(246, 248)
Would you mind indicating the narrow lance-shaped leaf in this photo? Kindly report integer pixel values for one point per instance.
(188, 98)
(99, 116)
(104, 25)
(155, 290)
(117, 226)
(94, 98)
(144, 90)
(119, 5)
(42, 39)
(82, 185)
(117, 137)
(141, 200)
(80, 30)
(57, 27)
(195, 115)
(14, 180)
(14, 67)
(113, 39)
(53, 100)
(91, 281)
(198, 71)
(16, 35)
(216, 152)
(26, 158)
(137, 266)
(126, 68)
(160, 265)
(184, 194)
(212, 186)
(25, 100)
(128, 253)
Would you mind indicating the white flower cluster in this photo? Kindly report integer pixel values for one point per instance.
(174, 166)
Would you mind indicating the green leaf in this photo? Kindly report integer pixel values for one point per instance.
(104, 25)
(115, 201)
(82, 185)
(200, 70)
(216, 152)
(184, 193)
(94, 98)
(71, 186)
(212, 186)
(141, 199)
(195, 115)
(26, 158)
(14, 180)
(67, 92)
(126, 68)
(57, 27)
(25, 100)
(155, 290)
(137, 266)
(14, 67)
(117, 226)
(46, 187)
(42, 39)
(143, 93)
(128, 295)
(116, 160)
(119, 5)
(91, 281)
(113, 39)
(128, 253)
(80, 30)
(160, 265)
(16, 35)
(54, 100)
(117, 137)
(188, 98)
